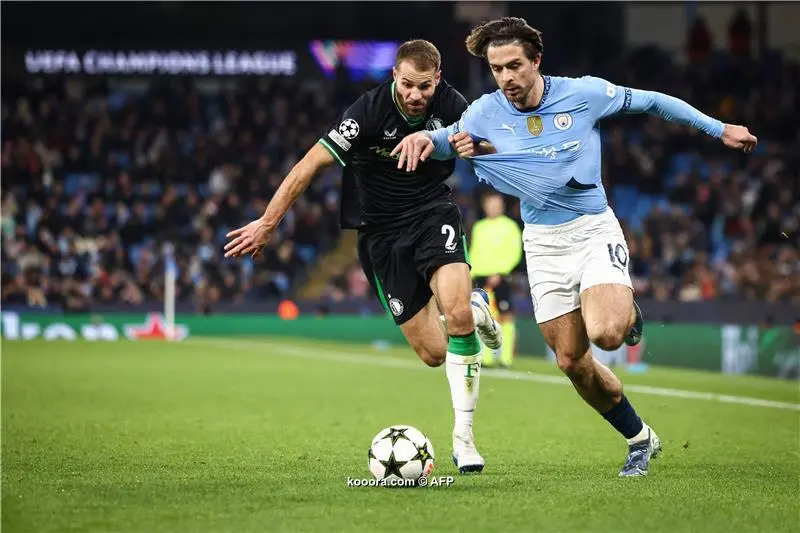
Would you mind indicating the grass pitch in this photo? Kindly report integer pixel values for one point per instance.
(250, 435)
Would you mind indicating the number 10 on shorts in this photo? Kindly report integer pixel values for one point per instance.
(618, 255)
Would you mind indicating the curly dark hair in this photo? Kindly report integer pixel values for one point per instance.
(506, 30)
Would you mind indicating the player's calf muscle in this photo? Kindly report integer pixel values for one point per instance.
(596, 384)
(425, 335)
(431, 355)
(607, 382)
(430, 358)
(431, 348)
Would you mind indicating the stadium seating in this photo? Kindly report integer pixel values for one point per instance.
(93, 187)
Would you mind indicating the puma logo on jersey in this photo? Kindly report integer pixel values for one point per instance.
(511, 128)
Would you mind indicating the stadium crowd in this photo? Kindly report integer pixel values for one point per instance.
(102, 181)
(98, 181)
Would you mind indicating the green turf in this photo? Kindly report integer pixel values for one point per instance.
(210, 435)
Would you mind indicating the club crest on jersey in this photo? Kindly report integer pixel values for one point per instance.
(396, 306)
(562, 121)
(349, 129)
(434, 123)
(535, 125)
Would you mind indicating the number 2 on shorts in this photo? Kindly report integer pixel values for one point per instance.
(448, 230)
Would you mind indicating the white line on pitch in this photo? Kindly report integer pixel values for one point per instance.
(349, 357)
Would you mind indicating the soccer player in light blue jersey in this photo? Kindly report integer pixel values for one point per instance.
(543, 130)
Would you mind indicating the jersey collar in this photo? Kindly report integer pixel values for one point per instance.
(526, 110)
(411, 121)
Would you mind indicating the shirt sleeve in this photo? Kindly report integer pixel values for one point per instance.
(605, 99)
(469, 122)
(674, 110)
(442, 149)
(346, 133)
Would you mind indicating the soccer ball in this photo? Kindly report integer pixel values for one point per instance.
(400, 453)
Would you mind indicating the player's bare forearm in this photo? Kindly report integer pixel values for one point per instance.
(250, 239)
(295, 183)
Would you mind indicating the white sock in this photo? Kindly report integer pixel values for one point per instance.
(463, 420)
(642, 435)
(463, 373)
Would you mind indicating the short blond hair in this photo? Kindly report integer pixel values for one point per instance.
(421, 53)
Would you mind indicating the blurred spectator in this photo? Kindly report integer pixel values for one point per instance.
(740, 34)
(699, 42)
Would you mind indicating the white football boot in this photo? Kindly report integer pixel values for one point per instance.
(465, 455)
(488, 329)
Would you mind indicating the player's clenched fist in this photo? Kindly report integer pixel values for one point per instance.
(739, 138)
(413, 149)
(249, 239)
(463, 144)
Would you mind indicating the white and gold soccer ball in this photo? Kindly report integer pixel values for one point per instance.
(400, 454)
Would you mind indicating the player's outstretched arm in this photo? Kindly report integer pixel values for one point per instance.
(421, 145)
(606, 99)
(414, 149)
(676, 110)
(463, 139)
(250, 239)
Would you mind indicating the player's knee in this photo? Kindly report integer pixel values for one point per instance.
(566, 363)
(608, 334)
(459, 319)
(572, 366)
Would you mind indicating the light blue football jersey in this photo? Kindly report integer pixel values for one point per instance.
(549, 156)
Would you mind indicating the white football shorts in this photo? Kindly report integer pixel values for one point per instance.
(566, 259)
